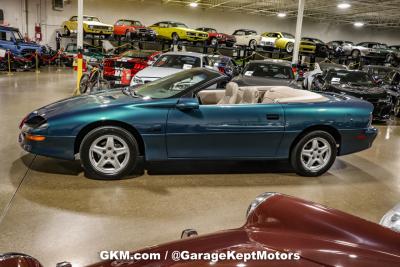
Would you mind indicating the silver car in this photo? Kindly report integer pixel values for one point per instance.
(170, 63)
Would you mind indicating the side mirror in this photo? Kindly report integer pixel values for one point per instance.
(188, 233)
(187, 104)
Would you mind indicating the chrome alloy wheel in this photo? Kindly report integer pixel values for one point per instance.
(109, 154)
(316, 154)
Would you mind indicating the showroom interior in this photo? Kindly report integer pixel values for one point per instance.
(196, 163)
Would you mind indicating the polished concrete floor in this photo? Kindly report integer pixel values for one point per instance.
(48, 209)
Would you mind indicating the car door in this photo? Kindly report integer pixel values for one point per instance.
(224, 131)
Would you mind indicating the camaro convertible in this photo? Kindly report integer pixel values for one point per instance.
(187, 116)
(280, 229)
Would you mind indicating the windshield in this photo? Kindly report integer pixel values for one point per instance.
(350, 77)
(136, 53)
(18, 36)
(178, 62)
(268, 70)
(287, 35)
(179, 25)
(327, 66)
(171, 85)
(91, 19)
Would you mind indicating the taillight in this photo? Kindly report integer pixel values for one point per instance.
(139, 66)
(221, 69)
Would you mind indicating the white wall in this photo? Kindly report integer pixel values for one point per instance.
(151, 11)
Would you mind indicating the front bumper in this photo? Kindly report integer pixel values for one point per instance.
(99, 31)
(61, 147)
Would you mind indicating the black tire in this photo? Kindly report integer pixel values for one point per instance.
(66, 31)
(175, 38)
(92, 136)
(296, 157)
(253, 44)
(289, 48)
(396, 108)
(355, 54)
(214, 42)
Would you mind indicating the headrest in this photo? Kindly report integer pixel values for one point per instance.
(250, 95)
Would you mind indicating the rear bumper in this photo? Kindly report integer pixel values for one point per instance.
(357, 140)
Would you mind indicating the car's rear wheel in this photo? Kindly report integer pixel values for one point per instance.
(109, 153)
(313, 154)
(214, 42)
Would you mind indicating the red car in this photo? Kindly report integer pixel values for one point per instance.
(133, 29)
(287, 231)
(215, 38)
(119, 70)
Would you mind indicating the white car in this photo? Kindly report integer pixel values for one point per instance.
(170, 63)
(319, 68)
(248, 38)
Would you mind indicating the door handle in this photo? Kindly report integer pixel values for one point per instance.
(272, 116)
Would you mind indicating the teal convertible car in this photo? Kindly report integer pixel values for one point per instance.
(196, 114)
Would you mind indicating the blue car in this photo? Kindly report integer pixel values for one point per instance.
(189, 116)
(12, 40)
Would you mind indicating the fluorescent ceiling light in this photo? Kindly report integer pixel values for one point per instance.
(193, 4)
(358, 24)
(343, 5)
(281, 14)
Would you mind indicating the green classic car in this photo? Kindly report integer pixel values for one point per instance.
(90, 53)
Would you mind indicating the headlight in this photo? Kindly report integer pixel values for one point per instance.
(392, 219)
(91, 26)
(260, 199)
(110, 28)
(137, 80)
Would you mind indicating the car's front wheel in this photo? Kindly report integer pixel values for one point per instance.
(109, 153)
(313, 154)
(289, 47)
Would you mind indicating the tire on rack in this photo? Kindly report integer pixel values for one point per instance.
(355, 54)
(67, 32)
(109, 153)
(396, 108)
(214, 42)
(289, 47)
(313, 154)
(175, 38)
(253, 44)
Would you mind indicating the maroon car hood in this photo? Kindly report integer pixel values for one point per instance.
(321, 235)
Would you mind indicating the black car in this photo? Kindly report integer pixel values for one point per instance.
(321, 48)
(378, 72)
(358, 84)
(268, 72)
(391, 82)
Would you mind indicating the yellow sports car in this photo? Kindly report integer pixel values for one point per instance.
(175, 31)
(91, 25)
(282, 40)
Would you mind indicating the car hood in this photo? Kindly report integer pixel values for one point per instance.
(87, 102)
(96, 23)
(359, 91)
(157, 72)
(31, 45)
(322, 236)
(242, 80)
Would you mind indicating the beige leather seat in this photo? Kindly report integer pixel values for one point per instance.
(250, 96)
(231, 94)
